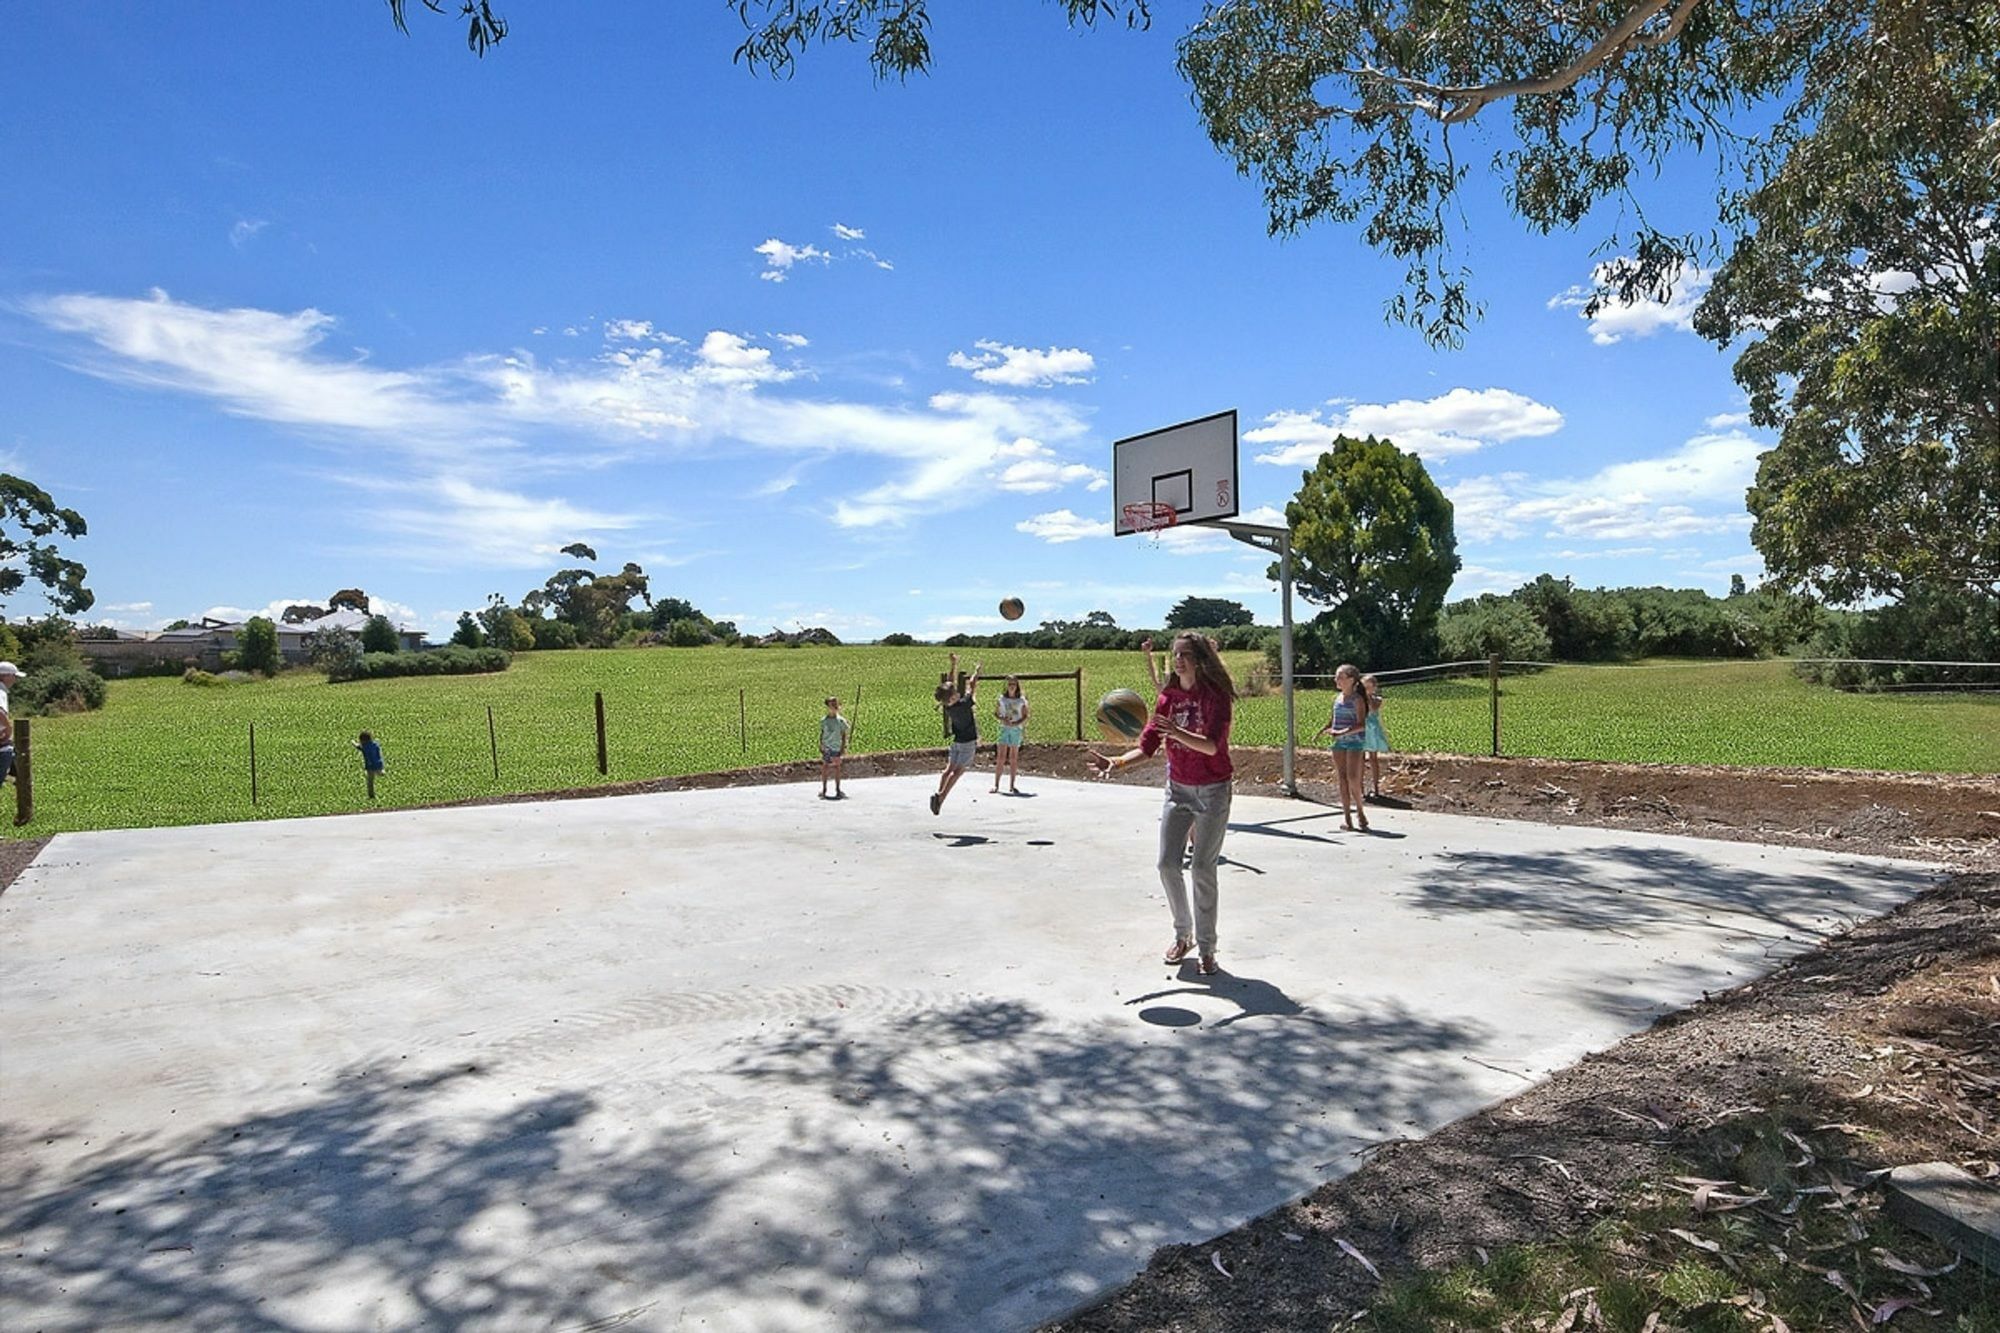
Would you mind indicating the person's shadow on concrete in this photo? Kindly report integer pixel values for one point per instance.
(1252, 996)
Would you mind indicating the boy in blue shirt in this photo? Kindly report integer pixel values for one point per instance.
(371, 760)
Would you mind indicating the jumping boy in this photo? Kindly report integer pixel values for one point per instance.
(961, 725)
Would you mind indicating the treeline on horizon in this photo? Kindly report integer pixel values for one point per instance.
(1550, 619)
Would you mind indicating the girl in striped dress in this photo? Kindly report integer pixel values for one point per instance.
(1348, 727)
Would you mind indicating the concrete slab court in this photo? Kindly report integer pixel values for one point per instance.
(744, 1059)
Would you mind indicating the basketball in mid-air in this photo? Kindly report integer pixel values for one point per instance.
(1012, 608)
(1121, 715)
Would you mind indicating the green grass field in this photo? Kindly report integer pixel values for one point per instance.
(163, 752)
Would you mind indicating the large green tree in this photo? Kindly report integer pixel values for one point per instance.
(1372, 540)
(592, 605)
(30, 523)
(1866, 287)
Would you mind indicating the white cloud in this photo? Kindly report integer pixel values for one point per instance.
(256, 363)
(1472, 580)
(1025, 367)
(458, 521)
(1619, 320)
(1727, 420)
(244, 230)
(1698, 488)
(467, 420)
(846, 233)
(635, 330)
(1458, 422)
(792, 339)
(1036, 468)
(730, 359)
(1063, 525)
(779, 257)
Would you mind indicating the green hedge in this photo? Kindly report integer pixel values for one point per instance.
(452, 661)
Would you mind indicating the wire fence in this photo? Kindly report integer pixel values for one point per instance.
(169, 763)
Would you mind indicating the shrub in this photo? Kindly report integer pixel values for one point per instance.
(59, 689)
(332, 649)
(686, 634)
(196, 676)
(379, 636)
(1487, 625)
(257, 646)
(552, 633)
(453, 661)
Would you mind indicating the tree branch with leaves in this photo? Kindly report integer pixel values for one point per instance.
(30, 523)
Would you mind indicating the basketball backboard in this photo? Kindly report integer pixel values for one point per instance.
(1187, 470)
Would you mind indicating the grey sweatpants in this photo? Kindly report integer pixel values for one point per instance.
(1205, 809)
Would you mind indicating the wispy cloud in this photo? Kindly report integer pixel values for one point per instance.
(1025, 367)
(244, 230)
(1458, 422)
(455, 432)
(779, 257)
(1472, 580)
(1615, 320)
(1698, 488)
(634, 330)
(1063, 525)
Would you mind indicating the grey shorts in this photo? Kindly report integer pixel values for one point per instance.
(961, 753)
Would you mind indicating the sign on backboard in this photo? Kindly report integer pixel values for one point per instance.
(1186, 471)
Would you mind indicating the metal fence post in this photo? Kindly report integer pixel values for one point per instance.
(253, 763)
(1493, 688)
(1079, 703)
(493, 742)
(24, 773)
(603, 760)
(742, 722)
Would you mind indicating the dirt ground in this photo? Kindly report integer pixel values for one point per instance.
(1890, 1032)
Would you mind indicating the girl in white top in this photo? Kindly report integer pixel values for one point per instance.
(1012, 713)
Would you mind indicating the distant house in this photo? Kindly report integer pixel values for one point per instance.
(203, 644)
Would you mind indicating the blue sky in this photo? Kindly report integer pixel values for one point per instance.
(290, 302)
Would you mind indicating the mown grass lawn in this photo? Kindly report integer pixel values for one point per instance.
(164, 752)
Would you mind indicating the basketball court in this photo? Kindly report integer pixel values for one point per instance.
(744, 1059)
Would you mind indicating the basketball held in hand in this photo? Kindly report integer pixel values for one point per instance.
(1012, 608)
(1121, 715)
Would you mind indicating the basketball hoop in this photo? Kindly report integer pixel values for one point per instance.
(1149, 516)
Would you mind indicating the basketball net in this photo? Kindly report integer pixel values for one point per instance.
(1149, 518)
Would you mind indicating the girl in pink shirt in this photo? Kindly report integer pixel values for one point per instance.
(1192, 717)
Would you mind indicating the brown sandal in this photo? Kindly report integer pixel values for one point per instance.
(1209, 967)
(1178, 951)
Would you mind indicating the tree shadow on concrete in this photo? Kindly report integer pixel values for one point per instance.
(1633, 888)
(975, 1166)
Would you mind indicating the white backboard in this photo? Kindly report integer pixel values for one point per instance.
(1191, 467)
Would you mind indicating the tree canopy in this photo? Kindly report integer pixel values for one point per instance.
(1208, 613)
(30, 523)
(1372, 539)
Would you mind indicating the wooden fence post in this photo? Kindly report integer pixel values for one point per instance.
(1493, 688)
(24, 773)
(1079, 703)
(603, 760)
